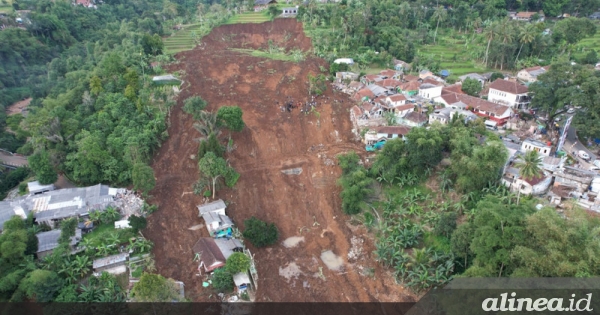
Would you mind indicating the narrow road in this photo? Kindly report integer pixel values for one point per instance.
(12, 160)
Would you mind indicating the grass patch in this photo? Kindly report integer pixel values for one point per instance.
(263, 54)
(137, 272)
(437, 242)
(102, 232)
(250, 17)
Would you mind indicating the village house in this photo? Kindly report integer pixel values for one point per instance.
(114, 264)
(512, 94)
(356, 86)
(385, 133)
(390, 74)
(430, 91)
(400, 65)
(35, 188)
(53, 206)
(363, 95)
(48, 241)
(391, 85)
(552, 164)
(208, 253)
(528, 16)
(542, 148)
(526, 186)
(529, 75)
(409, 88)
(474, 76)
(414, 119)
(217, 222)
(403, 110)
(595, 16)
(572, 182)
(423, 74)
(396, 100)
(290, 11)
(260, 5)
(343, 76)
(357, 116)
(86, 3)
(378, 90)
(496, 112)
(446, 114)
(370, 79)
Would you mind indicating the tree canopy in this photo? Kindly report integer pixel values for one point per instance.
(260, 233)
(230, 117)
(155, 288)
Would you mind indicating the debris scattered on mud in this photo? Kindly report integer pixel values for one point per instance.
(332, 261)
(129, 203)
(356, 251)
(293, 171)
(291, 242)
(291, 271)
(196, 227)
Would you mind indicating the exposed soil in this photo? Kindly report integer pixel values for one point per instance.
(305, 204)
(18, 107)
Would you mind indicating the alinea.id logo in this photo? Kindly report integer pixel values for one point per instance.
(513, 304)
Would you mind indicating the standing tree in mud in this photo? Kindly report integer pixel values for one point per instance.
(317, 85)
(230, 117)
(214, 168)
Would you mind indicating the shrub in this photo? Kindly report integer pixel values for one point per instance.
(260, 233)
(237, 262)
(194, 105)
(222, 280)
(137, 223)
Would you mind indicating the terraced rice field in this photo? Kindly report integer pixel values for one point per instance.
(587, 44)
(453, 56)
(250, 17)
(182, 39)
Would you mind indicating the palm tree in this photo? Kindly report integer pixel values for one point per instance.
(489, 33)
(440, 14)
(207, 125)
(529, 165)
(526, 36)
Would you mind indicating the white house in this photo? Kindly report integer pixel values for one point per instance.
(217, 223)
(529, 75)
(531, 144)
(403, 110)
(474, 76)
(445, 115)
(348, 61)
(385, 133)
(512, 94)
(528, 186)
(396, 100)
(430, 91)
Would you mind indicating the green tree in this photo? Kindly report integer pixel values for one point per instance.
(194, 106)
(591, 58)
(496, 75)
(42, 167)
(155, 288)
(214, 168)
(210, 145)
(237, 262)
(529, 165)
(471, 87)
(355, 187)
(222, 280)
(446, 224)
(137, 223)
(260, 233)
(143, 177)
(527, 35)
(273, 11)
(554, 89)
(42, 285)
(230, 117)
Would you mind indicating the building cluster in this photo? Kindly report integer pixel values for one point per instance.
(557, 182)
(388, 104)
(212, 252)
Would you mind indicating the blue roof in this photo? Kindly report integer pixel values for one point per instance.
(445, 72)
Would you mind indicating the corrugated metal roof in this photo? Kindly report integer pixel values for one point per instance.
(215, 205)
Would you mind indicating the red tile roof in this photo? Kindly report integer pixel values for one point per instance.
(508, 86)
(362, 93)
(410, 86)
(404, 107)
(372, 77)
(475, 103)
(416, 117)
(210, 254)
(526, 14)
(394, 130)
(450, 98)
(355, 84)
(455, 88)
(408, 78)
(388, 73)
(389, 83)
(535, 180)
(432, 81)
(397, 98)
(367, 106)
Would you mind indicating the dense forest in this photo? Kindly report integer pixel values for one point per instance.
(438, 209)
(359, 29)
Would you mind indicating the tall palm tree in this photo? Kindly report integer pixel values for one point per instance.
(529, 165)
(526, 36)
(440, 14)
(207, 124)
(489, 33)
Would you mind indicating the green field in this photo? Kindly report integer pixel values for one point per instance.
(587, 44)
(182, 40)
(250, 17)
(6, 8)
(453, 55)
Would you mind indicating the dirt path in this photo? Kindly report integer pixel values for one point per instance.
(18, 107)
(305, 205)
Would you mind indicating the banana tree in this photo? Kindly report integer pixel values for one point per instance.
(81, 265)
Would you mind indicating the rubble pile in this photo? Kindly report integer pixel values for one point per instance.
(129, 203)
